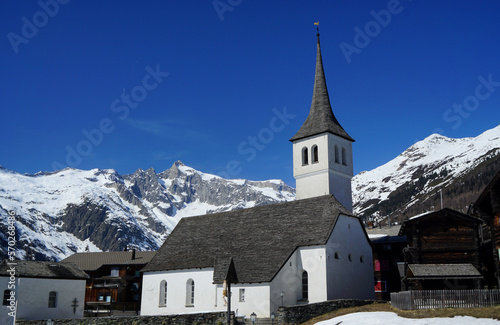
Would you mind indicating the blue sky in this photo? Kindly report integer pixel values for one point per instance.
(222, 85)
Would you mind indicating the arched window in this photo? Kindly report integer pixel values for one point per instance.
(305, 285)
(190, 292)
(343, 157)
(336, 256)
(52, 299)
(163, 293)
(337, 154)
(305, 156)
(315, 157)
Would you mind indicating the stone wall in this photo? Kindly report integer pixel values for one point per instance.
(302, 313)
(286, 316)
(187, 319)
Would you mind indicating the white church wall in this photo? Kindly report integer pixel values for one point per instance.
(339, 165)
(5, 310)
(341, 187)
(312, 185)
(322, 142)
(204, 292)
(289, 279)
(331, 174)
(256, 299)
(32, 296)
(311, 178)
(208, 296)
(350, 276)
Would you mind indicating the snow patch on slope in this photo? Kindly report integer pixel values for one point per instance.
(455, 156)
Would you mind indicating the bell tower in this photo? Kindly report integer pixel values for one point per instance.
(322, 149)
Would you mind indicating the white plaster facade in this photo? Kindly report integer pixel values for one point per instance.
(331, 174)
(351, 275)
(328, 278)
(32, 297)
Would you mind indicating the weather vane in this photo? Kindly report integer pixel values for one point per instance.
(317, 26)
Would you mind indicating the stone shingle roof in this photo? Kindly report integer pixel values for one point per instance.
(433, 271)
(42, 269)
(259, 240)
(93, 261)
(321, 118)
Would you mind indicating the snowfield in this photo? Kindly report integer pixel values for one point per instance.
(434, 154)
(386, 318)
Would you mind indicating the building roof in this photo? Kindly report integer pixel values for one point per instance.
(383, 231)
(42, 269)
(446, 212)
(488, 202)
(440, 271)
(259, 240)
(321, 118)
(384, 235)
(93, 261)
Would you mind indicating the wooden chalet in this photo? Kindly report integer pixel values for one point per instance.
(115, 280)
(443, 251)
(387, 254)
(487, 207)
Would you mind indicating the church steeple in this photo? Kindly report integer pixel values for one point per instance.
(321, 118)
(322, 149)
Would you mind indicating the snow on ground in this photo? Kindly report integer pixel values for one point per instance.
(386, 318)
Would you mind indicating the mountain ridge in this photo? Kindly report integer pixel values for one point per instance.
(71, 210)
(429, 165)
(59, 213)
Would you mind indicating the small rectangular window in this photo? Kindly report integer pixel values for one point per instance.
(115, 271)
(242, 295)
(6, 297)
(380, 286)
(52, 299)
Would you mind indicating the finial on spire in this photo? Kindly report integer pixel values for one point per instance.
(317, 26)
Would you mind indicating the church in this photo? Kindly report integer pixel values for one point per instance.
(309, 250)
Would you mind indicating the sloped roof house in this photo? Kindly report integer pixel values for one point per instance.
(487, 207)
(113, 277)
(309, 250)
(42, 290)
(443, 251)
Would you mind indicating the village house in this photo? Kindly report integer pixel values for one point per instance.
(114, 279)
(309, 250)
(443, 251)
(487, 207)
(387, 255)
(42, 290)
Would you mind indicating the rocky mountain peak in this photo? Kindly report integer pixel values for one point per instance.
(72, 210)
(408, 184)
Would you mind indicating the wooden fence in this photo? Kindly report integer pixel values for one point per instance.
(428, 299)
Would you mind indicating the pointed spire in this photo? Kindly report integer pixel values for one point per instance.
(321, 118)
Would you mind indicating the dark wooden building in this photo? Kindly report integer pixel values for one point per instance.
(443, 251)
(387, 254)
(487, 207)
(114, 280)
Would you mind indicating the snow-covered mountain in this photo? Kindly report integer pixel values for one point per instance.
(73, 210)
(410, 183)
